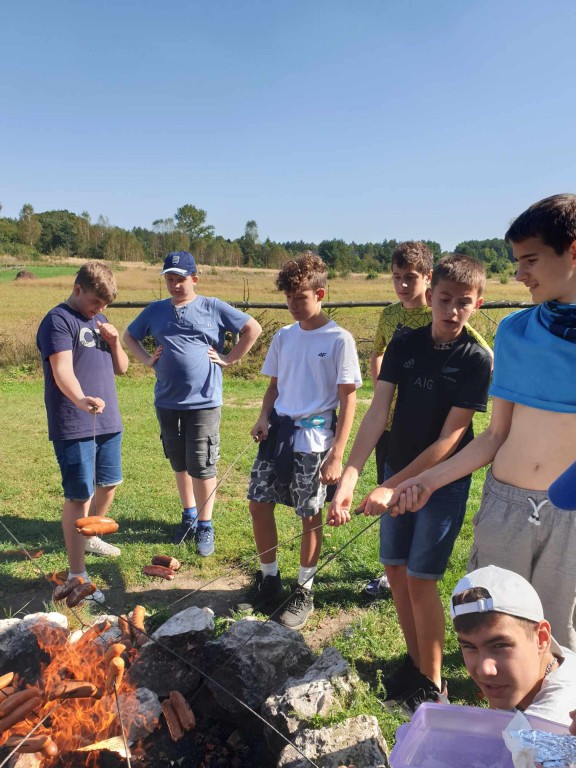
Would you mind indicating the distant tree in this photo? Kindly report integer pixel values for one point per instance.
(250, 245)
(83, 227)
(335, 254)
(58, 231)
(435, 248)
(192, 221)
(29, 228)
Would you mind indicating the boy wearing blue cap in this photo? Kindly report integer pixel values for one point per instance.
(189, 330)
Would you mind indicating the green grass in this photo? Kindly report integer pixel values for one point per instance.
(147, 508)
(39, 271)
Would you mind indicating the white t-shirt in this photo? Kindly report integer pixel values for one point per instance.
(309, 366)
(557, 696)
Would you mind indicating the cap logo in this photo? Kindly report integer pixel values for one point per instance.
(478, 606)
(176, 258)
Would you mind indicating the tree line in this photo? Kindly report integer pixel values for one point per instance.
(63, 233)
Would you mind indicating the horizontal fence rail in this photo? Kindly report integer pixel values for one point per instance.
(326, 304)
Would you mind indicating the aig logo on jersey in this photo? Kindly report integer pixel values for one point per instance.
(424, 382)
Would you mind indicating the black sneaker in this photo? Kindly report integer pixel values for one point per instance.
(184, 531)
(298, 609)
(265, 594)
(424, 690)
(403, 679)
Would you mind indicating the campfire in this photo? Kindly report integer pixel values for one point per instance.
(82, 700)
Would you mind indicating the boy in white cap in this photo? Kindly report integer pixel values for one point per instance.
(508, 646)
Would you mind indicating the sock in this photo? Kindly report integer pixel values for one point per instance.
(306, 576)
(189, 514)
(269, 569)
(204, 523)
(82, 575)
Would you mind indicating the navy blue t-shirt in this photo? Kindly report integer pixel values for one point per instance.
(65, 329)
(430, 382)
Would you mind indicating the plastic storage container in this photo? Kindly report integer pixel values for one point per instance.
(451, 736)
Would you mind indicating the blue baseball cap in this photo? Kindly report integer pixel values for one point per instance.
(179, 262)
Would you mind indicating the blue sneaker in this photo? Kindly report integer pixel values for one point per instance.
(204, 537)
(184, 531)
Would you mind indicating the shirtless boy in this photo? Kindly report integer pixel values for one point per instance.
(531, 439)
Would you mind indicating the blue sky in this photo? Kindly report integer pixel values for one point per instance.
(365, 119)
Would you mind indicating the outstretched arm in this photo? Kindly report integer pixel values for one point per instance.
(372, 426)
(411, 494)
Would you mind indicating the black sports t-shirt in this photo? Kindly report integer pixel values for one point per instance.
(429, 383)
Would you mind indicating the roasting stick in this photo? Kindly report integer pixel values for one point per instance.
(122, 729)
(30, 734)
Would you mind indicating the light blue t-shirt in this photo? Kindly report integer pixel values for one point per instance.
(532, 366)
(186, 378)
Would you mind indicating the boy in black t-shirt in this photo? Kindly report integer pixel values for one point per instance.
(441, 374)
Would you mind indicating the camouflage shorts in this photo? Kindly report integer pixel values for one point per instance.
(305, 492)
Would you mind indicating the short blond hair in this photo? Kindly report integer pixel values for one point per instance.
(97, 278)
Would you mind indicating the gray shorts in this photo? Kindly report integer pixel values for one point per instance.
(521, 530)
(191, 440)
(305, 492)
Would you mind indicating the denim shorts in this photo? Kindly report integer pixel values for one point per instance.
(191, 440)
(423, 540)
(76, 460)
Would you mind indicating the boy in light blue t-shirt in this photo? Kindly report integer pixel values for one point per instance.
(189, 330)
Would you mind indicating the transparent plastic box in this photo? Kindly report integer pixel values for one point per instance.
(452, 736)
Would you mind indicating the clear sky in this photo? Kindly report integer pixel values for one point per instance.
(359, 119)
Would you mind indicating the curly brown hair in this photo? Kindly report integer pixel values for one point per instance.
(308, 272)
(415, 254)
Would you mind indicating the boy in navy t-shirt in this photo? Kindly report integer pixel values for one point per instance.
(81, 353)
(189, 330)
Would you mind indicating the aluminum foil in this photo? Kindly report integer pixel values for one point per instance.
(550, 750)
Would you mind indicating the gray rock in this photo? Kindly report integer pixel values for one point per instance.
(253, 659)
(160, 666)
(19, 648)
(140, 710)
(316, 693)
(356, 741)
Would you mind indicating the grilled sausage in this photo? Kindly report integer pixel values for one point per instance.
(84, 522)
(159, 571)
(49, 749)
(114, 650)
(80, 593)
(166, 561)
(6, 680)
(99, 529)
(93, 633)
(114, 674)
(182, 710)
(20, 713)
(74, 689)
(172, 721)
(125, 633)
(8, 691)
(137, 627)
(63, 590)
(32, 744)
(12, 702)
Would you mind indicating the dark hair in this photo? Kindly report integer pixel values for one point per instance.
(470, 622)
(307, 272)
(413, 253)
(553, 220)
(462, 269)
(99, 279)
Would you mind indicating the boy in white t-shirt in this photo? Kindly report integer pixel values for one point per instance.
(314, 370)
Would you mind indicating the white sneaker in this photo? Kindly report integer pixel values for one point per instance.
(96, 546)
(98, 597)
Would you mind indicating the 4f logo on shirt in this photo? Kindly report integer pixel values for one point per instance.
(322, 354)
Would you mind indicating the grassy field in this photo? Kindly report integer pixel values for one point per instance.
(146, 505)
(23, 303)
